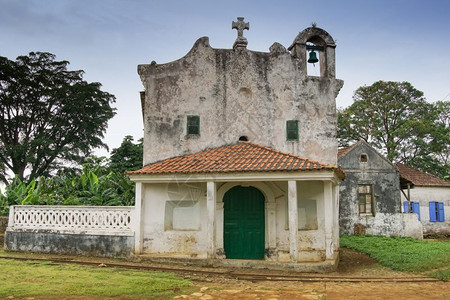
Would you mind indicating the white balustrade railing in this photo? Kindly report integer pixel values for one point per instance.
(101, 220)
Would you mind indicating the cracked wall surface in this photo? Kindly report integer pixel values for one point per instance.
(238, 92)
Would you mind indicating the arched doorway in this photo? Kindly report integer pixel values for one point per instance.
(244, 223)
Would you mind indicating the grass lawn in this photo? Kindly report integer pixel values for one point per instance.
(34, 278)
(404, 254)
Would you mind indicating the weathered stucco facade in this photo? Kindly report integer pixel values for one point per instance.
(426, 189)
(239, 162)
(237, 93)
(160, 238)
(426, 194)
(365, 167)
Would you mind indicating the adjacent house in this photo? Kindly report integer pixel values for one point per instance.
(369, 197)
(430, 200)
(240, 153)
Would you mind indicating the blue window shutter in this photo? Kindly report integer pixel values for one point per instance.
(405, 207)
(440, 206)
(432, 208)
(416, 208)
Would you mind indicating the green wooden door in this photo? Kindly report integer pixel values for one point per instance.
(244, 223)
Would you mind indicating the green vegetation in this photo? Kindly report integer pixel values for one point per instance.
(95, 184)
(32, 278)
(395, 119)
(404, 254)
(49, 116)
(100, 181)
(127, 157)
(441, 274)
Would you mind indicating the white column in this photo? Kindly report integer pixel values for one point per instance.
(271, 224)
(293, 220)
(336, 216)
(211, 222)
(219, 225)
(328, 216)
(11, 217)
(138, 219)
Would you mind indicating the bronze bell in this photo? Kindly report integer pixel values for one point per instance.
(312, 57)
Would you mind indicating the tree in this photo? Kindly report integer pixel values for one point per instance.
(49, 115)
(127, 157)
(395, 119)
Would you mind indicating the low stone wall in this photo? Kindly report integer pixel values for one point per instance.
(94, 245)
(399, 224)
(3, 224)
(86, 230)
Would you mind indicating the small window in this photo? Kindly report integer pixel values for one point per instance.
(193, 125)
(365, 199)
(436, 211)
(243, 138)
(415, 207)
(363, 158)
(292, 130)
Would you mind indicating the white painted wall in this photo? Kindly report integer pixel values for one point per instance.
(158, 239)
(425, 195)
(311, 243)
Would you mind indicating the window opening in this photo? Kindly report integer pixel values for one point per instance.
(292, 130)
(415, 208)
(436, 211)
(243, 138)
(193, 125)
(365, 199)
(363, 158)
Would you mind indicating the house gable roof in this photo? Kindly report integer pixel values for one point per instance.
(240, 157)
(419, 178)
(345, 150)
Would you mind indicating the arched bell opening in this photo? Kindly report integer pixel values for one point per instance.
(316, 46)
(314, 59)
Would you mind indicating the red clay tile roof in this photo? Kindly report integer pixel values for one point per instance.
(240, 157)
(419, 178)
(342, 151)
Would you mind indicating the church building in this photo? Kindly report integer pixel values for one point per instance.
(240, 153)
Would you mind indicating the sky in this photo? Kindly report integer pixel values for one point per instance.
(396, 40)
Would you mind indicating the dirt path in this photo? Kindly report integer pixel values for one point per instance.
(352, 264)
(310, 291)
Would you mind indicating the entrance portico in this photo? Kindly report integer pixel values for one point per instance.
(295, 213)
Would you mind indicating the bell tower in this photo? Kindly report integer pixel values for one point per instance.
(323, 44)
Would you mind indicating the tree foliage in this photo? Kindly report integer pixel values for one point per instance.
(94, 184)
(128, 156)
(395, 119)
(48, 115)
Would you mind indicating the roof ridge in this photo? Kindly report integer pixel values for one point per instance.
(289, 154)
(237, 157)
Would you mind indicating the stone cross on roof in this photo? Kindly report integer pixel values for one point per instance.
(240, 25)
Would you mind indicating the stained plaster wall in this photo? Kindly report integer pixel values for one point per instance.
(83, 244)
(384, 177)
(238, 93)
(311, 243)
(424, 195)
(157, 238)
(193, 243)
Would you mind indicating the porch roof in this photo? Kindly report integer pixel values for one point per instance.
(235, 158)
(419, 178)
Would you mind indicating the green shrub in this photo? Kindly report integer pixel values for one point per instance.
(95, 184)
(402, 254)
